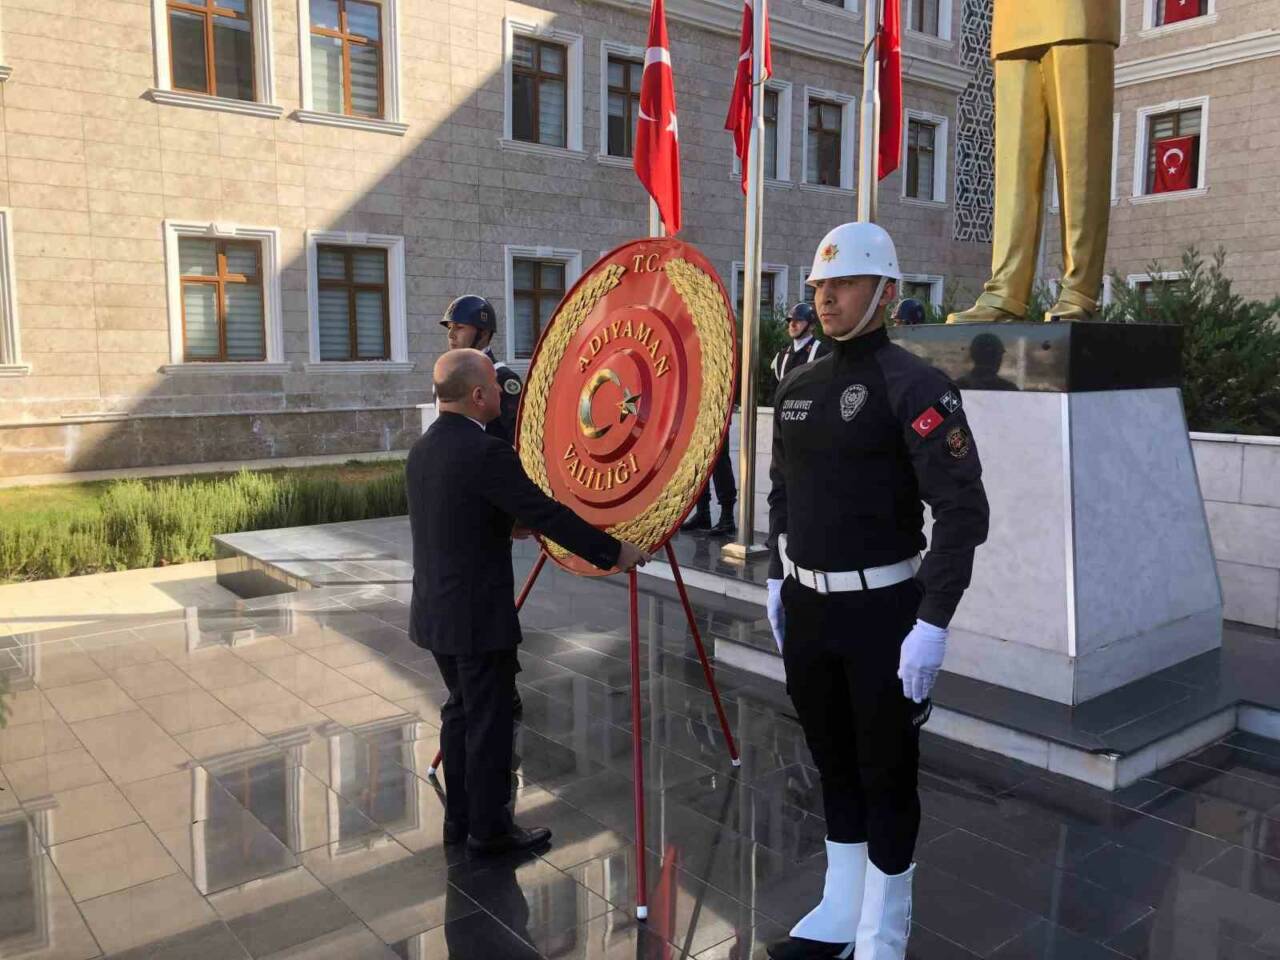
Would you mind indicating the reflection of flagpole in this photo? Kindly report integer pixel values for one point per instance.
(656, 229)
(745, 545)
(869, 140)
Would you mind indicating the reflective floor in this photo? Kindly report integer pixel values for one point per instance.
(252, 783)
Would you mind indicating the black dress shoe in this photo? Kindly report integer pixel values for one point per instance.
(726, 526)
(455, 831)
(700, 520)
(798, 948)
(516, 838)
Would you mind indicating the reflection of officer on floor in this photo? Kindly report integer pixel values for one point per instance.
(472, 322)
(726, 496)
(860, 439)
(804, 347)
(986, 352)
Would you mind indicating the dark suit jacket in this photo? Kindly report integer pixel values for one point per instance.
(465, 488)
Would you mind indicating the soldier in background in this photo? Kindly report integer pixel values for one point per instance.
(472, 322)
(804, 347)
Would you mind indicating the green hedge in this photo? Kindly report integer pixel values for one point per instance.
(141, 523)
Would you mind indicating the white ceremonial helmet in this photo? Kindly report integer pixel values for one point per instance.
(857, 250)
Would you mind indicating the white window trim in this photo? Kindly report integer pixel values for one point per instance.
(1149, 28)
(941, 155)
(269, 239)
(11, 364)
(846, 9)
(391, 121)
(511, 27)
(783, 89)
(781, 286)
(399, 345)
(263, 70)
(1115, 168)
(1141, 145)
(936, 283)
(607, 49)
(848, 136)
(572, 260)
(1133, 279)
(945, 14)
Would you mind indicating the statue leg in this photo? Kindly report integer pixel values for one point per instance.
(1080, 95)
(1022, 127)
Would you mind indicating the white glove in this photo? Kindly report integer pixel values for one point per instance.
(777, 616)
(921, 659)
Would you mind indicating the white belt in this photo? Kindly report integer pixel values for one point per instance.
(872, 578)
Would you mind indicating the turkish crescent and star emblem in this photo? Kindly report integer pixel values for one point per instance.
(630, 391)
(659, 58)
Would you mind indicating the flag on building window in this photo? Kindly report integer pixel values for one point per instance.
(739, 119)
(657, 152)
(1175, 11)
(1174, 160)
(889, 54)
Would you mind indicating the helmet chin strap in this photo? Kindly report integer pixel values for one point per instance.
(872, 307)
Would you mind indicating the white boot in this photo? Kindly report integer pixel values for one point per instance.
(886, 915)
(835, 919)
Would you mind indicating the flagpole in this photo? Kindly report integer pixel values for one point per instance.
(744, 546)
(656, 226)
(869, 139)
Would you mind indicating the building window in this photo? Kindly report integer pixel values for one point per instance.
(211, 47)
(773, 288)
(222, 307)
(539, 73)
(537, 288)
(926, 288)
(825, 128)
(771, 134)
(921, 148)
(10, 364)
(1173, 151)
(923, 17)
(353, 315)
(623, 105)
(346, 57)
(777, 133)
(1177, 11)
(1151, 286)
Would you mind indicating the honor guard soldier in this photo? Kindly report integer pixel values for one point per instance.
(472, 322)
(862, 438)
(908, 313)
(804, 348)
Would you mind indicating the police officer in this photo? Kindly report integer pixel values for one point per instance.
(908, 313)
(861, 438)
(471, 322)
(805, 347)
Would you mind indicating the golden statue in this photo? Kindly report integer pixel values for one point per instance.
(1054, 89)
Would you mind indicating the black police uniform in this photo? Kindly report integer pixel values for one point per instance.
(861, 437)
(504, 427)
(464, 489)
(789, 358)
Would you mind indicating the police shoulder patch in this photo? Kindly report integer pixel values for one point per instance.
(512, 385)
(958, 442)
(950, 401)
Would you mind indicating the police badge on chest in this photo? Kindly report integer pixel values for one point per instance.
(851, 401)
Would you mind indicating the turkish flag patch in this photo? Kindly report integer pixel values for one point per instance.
(927, 422)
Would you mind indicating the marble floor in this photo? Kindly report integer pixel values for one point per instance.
(250, 781)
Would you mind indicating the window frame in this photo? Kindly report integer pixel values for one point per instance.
(848, 144)
(219, 282)
(269, 264)
(1142, 145)
(941, 156)
(572, 260)
(935, 281)
(945, 14)
(11, 364)
(611, 51)
(208, 13)
(536, 75)
(783, 141)
(347, 39)
(511, 27)
(264, 92)
(397, 337)
(390, 122)
(1151, 28)
(781, 282)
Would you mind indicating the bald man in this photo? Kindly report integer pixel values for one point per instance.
(466, 488)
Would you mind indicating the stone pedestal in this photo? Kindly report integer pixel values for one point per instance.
(1099, 569)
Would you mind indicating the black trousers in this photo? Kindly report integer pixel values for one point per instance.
(722, 478)
(476, 730)
(841, 657)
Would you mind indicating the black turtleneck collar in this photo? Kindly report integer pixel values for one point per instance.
(847, 351)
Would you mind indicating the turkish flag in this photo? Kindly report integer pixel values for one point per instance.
(1174, 159)
(739, 119)
(927, 422)
(889, 55)
(657, 153)
(1175, 11)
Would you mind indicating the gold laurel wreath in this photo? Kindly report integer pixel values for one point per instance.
(702, 297)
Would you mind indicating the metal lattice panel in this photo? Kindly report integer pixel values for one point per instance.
(975, 141)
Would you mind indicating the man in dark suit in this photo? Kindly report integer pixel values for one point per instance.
(466, 488)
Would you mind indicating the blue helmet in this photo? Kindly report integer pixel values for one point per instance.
(803, 312)
(471, 311)
(909, 312)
